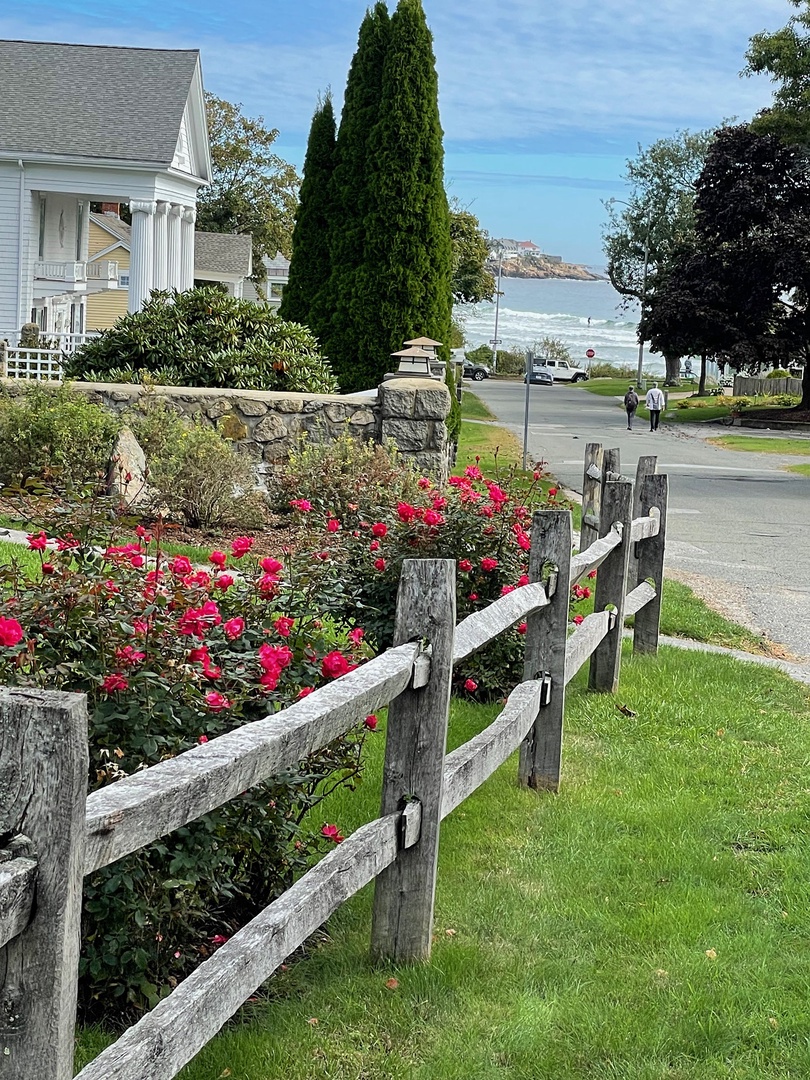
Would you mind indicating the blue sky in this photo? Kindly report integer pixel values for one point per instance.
(541, 102)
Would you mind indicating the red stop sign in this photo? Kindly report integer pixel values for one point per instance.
(590, 354)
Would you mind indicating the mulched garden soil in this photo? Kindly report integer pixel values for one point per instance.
(790, 416)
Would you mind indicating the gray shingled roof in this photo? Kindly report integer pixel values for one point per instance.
(226, 253)
(93, 101)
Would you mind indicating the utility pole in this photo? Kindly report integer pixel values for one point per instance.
(495, 342)
(639, 375)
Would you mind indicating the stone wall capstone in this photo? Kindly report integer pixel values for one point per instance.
(267, 424)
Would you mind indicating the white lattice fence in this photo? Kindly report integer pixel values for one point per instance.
(37, 365)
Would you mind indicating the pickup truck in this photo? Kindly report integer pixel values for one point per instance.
(563, 371)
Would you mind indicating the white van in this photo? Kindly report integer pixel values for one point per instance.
(563, 371)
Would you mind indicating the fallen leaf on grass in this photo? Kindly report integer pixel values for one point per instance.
(313, 1020)
(773, 1022)
(450, 933)
(712, 954)
(625, 711)
(392, 984)
(225, 1072)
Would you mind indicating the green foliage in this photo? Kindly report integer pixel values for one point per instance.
(310, 263)
(206, 480)
(407, 281)
(511, 362)
(553, 349)
(601, 369)
(54, 434)
(165, 669)
(334, 475)
(252, 190)
(784, 56)
(480, 355)
(778, 373)
(472, 281)
(340, 317)
(202, 337)
(454, 416)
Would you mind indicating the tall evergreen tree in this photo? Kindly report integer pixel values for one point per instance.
(310, 263)
(404, 287)
(337, 319)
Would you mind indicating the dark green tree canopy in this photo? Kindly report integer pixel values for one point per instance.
(310, 264)
(253, 190)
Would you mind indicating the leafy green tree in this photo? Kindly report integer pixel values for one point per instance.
(310, 263)
(404, 287)
(337, 317)
(203, 337)
(252, 190)
(658, 223)
(784, 55)
(472, 281)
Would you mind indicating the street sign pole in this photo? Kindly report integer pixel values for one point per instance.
(529, 360)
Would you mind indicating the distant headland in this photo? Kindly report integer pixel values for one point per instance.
(524, 259)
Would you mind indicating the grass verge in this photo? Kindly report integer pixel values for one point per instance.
(802, 470)
(473, 408)
(759, 445)
(649, 921)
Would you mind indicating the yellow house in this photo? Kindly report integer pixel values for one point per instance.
(222, 257)
(109, 238)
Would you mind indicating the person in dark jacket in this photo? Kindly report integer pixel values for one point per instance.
(630, 406)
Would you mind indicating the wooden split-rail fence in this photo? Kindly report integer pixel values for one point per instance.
(53, 834)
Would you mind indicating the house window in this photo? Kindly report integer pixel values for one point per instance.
(72, 318)
(42, 206)
(79, 230)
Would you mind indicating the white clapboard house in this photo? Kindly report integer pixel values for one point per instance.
(88, 124)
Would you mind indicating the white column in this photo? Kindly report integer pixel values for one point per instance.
(141, 258)
(187, 257)
(160, 276)
(174, 247)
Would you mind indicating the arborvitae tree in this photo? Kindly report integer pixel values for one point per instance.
(310, 264)
(337, 320)
(404, 287)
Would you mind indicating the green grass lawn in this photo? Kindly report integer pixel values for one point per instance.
(803, 470)
(606, 387)
(649, 922)
(759, 445)
(473, 408)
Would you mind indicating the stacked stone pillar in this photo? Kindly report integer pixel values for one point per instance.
(413, 416)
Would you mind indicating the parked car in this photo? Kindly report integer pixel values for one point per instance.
(562, 371)
(476, 372)
(541, 374)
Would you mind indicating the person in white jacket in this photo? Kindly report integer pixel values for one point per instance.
(655, 403)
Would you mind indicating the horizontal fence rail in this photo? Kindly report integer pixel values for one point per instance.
(131, 813)
(40, 879)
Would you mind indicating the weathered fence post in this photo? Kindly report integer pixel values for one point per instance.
(611, 463)
(591, 495)
(546, 633)
(43, 784)
(415, 747)
(654, 492)
(646, 467)
(611, 585)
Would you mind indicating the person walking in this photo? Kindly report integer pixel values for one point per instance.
(655, 402)
(630, 406)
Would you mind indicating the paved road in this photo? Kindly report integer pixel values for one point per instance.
(736, 518)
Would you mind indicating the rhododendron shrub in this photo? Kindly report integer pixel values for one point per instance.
(483, 524)
(170, 656)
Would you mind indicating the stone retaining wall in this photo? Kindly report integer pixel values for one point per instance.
(267, 424)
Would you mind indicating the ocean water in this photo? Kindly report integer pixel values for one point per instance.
(531, 309)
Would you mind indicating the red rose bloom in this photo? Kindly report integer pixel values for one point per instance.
(578, 619)
(180, 565)
(283, 625)
(224, 582)
(406, 512)
(379, 529)
(114, 682)
(371, 722)
(38, 542)
(471, 686)
(331, 833)
(271, 566)
(302, 505)
(334, 665)
(241, 546)
(489, 564)
(380, 564)
(234, 628)
(48, 568)
(218, 558)
(11, 633)
(332, 525)
(216, 702)
(465, 565)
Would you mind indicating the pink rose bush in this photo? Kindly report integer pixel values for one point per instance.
(171, 656)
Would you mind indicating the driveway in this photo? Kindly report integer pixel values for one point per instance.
(739, 525)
